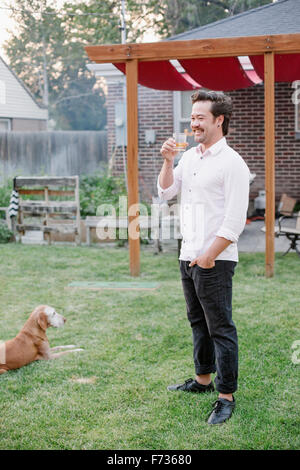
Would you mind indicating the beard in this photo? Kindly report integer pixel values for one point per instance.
(201, 137)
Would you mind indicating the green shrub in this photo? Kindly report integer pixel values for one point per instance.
(297, 207)
(5, 193)
(5, 233)
(99, 189)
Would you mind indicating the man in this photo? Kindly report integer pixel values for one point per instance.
(213, 181)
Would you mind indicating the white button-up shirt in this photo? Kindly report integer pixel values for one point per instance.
(214, 188)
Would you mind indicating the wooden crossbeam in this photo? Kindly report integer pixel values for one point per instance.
(43, 208)
(21, 181)
(51, 192)
(196, 48)
(63, 228)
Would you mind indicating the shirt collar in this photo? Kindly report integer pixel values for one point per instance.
(214, 149)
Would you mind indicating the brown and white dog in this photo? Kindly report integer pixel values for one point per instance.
(32, 344)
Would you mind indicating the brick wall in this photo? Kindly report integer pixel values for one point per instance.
(155, 112)
(246, 135)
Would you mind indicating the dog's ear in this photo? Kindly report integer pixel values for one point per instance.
(42, 321)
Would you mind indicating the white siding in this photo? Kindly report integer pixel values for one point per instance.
(15, 101)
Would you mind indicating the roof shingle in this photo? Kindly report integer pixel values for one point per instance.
(282, 17)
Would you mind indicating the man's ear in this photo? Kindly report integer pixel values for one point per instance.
(43, 321)
(220, 120)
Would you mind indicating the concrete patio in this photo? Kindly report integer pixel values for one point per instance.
(251, 240)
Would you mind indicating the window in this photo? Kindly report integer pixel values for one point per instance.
(297, 117)
(296, 101)
(182, 114)
(5, 125)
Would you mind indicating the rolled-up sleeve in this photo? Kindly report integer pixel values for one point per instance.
(174, 189)
(236, 190)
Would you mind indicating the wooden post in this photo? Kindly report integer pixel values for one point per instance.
(269, 161)
(47, 235)
(78, 222)
(132, 158)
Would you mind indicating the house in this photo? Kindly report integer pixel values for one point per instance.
(162, 111)
(19, 111)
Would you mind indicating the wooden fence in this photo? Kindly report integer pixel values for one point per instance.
(52, 153)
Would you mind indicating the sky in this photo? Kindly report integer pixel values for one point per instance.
(6, 22)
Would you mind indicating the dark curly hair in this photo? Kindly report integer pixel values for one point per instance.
(221, 104)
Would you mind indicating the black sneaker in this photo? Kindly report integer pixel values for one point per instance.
(222, 411)
(192, 385)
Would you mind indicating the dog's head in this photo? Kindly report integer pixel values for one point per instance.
(47, 316)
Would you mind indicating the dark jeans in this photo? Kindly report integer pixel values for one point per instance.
(208, 294)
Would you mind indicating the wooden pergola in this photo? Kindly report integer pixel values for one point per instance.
(132, 54)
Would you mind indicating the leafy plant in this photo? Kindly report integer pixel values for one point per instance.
(99, 189)
(96, 190)
(5, 233)
(5, 193)
(297, 207)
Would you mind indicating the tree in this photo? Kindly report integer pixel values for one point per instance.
(183, 15)
(47, 52)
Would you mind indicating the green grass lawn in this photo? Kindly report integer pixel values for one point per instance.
(136, 343)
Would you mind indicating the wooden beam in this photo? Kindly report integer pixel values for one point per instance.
(219, 47)
(132, 160)
(45, 181)
(269, 80)
(51, 192)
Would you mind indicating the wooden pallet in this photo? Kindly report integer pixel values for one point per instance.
(54, 215)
